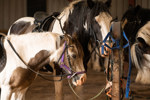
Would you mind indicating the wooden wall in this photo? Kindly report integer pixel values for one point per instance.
(11, 10)
(56, 5)
(143, 3)
(118, 8)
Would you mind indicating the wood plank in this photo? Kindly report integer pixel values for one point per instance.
(144, 3)
(12, 11)
(119, 8)
(6, 14)
(138, 2)
(125, 6)
(24, 8)
(19, 8)
(2, 15)
(148, 4)
(113, 8)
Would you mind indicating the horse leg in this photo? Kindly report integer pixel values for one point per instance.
(6, 92)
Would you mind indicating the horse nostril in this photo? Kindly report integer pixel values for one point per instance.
(83, 78)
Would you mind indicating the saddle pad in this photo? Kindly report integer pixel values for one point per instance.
(2, 55)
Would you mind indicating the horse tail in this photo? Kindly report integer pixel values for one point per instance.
(136, 56)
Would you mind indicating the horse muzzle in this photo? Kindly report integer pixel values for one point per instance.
(107, 51)
(79, 79)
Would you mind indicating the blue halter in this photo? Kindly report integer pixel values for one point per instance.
(118, 47)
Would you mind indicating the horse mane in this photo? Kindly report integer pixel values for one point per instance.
(75, 22)
(86, 13)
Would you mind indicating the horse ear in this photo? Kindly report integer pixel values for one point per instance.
(90, 4)
(108, 3)
(137, 8)
(67, 38)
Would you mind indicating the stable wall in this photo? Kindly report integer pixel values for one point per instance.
(11, 10)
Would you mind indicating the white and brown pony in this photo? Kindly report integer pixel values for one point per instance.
(27, 53)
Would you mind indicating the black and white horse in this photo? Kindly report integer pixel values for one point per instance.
(137, 30)
(28, 53)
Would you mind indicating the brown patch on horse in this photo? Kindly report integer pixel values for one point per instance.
(22, 78)
(39, 60)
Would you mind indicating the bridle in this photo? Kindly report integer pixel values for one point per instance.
(64, 66)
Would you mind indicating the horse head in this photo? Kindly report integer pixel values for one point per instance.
(73, 58)
(100, 20)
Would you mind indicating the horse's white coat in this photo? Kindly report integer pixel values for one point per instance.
(104, 20)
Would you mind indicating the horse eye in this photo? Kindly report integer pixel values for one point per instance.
(74, 56)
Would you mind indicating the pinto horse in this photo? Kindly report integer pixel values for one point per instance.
(137, 30)
(28, 53)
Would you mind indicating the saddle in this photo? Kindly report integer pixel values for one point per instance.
(2, 54)
(43, 21)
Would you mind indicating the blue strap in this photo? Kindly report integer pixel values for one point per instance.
(129, 72)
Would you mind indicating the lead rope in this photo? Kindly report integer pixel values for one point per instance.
(98, 94)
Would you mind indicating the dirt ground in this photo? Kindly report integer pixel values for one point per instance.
(44, 90)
